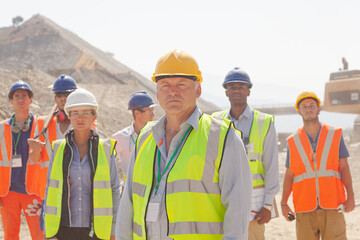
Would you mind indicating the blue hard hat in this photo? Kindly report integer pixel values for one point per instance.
(140, 99)
(20, 85)
(237, 75)
(64, 83)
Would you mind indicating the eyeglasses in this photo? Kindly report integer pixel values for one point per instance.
(76, 115)
(148, 111)
(62, 94)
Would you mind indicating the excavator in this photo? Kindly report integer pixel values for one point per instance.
(342, 91)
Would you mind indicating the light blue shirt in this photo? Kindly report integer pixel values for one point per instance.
(270, 152)
(235, 182)
(80, 189)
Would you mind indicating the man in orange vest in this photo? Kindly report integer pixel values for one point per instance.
(318, 174)
(58, 126)
(19, 176)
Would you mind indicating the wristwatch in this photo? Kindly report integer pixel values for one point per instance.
(268, 207)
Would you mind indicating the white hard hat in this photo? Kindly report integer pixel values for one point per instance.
(80, 99)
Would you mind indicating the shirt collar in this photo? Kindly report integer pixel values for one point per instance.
(159, 127)
(13, 115)
(247, 113)
(131, 129)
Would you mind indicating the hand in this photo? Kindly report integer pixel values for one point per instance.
(35, 144)
(112, 237)
(349, 204)
(263, 216)
(285, 209)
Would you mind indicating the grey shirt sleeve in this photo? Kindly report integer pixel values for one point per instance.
(124, 219)
(236, 188)
(115, 186)
(271, 165)
(343, 152)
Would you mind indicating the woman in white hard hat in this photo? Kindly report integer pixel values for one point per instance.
(82, 195)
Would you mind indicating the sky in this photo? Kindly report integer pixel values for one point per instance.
(285, 46)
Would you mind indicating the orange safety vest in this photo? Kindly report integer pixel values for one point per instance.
(32, 176)
(317, 179)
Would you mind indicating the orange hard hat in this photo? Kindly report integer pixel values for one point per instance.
(306, 94)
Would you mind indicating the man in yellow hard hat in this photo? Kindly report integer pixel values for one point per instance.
(188, 177)
(262, 149)
(318, 174)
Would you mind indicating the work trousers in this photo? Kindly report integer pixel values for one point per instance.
(256, 231)
(329, 224)
(74, 233)
(12, 204)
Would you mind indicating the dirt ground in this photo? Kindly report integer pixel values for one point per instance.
(279, 228)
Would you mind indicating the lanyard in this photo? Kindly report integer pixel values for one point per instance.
(171, 159)
(132, 140)
(17, 141)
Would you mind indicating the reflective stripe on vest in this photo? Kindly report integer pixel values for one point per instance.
(32, 175)
(193, 182)
(102, 192)
(49, 137)
(5, 157)
(317, 184)
(259, 129)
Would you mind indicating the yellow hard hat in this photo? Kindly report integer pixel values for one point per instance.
(306, 94)
(177, 63)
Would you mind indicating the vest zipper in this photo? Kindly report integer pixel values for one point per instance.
(67, 180)
(316, 179)
(91, 234)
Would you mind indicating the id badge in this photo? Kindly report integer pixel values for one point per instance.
(16, 161)
(250, 147)
(152, 214)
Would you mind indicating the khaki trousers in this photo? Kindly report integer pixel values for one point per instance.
(329, 224)
(256, 231)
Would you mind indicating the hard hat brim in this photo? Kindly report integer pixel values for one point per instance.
(307, 97)
(235, 80)
(174, 75)
(80, 107)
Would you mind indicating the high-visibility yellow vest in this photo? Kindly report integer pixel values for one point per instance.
(193, 198)
(102, 192)
(259, 129)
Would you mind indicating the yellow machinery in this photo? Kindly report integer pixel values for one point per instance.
(342, 92)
